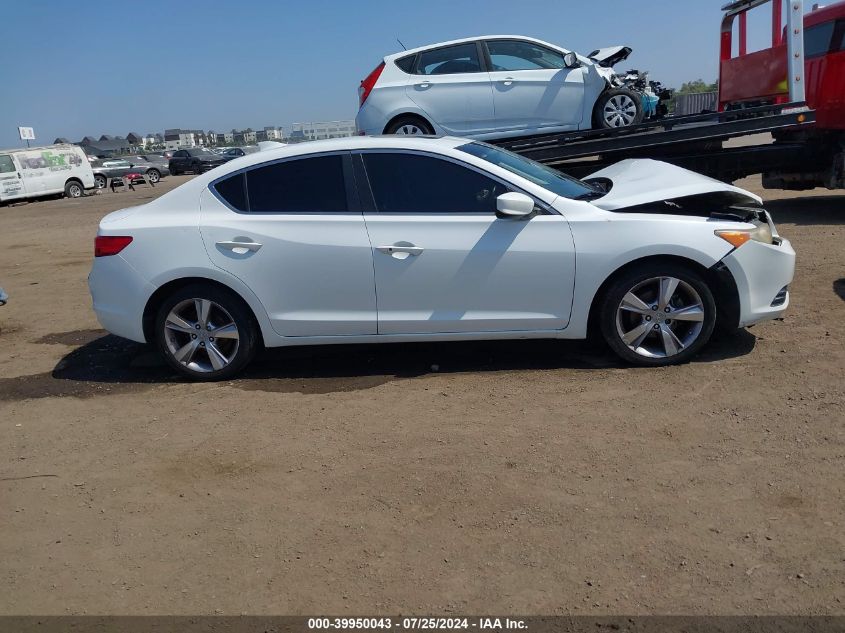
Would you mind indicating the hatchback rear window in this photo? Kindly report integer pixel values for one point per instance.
(406, 64)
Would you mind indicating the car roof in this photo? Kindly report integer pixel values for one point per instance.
(464, 40)
(350, 143)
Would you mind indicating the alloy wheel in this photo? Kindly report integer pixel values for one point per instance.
(75, 191)
(201, 335)
(660, 317)
(410, 129)
(620, 111)
(100, 182)
(153, 175)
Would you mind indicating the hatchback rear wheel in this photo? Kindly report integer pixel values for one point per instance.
(657, 314)
(409, 125)
(206, 332)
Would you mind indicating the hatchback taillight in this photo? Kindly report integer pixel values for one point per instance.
(105, 245)
(367, 85)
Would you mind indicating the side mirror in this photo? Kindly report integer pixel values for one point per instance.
(571, 60)
(514, 206)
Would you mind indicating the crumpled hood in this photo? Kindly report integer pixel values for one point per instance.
(611, 55)
(640, 181)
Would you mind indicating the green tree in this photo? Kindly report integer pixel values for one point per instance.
(697, 86)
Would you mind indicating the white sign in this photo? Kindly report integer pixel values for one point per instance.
(27, 133)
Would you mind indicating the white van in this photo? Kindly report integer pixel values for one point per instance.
(43, 171)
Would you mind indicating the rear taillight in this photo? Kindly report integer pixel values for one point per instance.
(105, 245)
(367, 85)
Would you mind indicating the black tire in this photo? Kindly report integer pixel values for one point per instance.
(174, 171)
(197, 168)
(408, 121)
(623, 97)
(100, 181)
(614, 321)
(74, 189)
(154, 175)
(233, 307)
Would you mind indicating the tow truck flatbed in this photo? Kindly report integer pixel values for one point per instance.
(693, 141)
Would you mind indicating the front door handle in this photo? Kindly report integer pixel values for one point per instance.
(400, 250)
(424, 84)
(507, 81)
(240, 247)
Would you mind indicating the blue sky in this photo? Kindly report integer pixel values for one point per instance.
(76, 68)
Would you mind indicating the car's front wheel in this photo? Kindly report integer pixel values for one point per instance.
(154, 175)
(617, 107)
(197, 168)
(100, 181)
(657, 314)
(206, 332)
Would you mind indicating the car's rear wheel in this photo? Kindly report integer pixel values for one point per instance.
(657, 314)
(154, 175)
(410, 125)
(206, 332)
(100, 181)
(197, 168)
(74, 189)
(617, 107)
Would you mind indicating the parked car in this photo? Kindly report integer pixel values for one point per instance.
(42, 171)
(197, 160)
(496, 86)
(155, 166)
(379, 239)
(236, 152)
(105, 168)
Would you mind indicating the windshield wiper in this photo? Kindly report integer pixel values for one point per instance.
(591, 195)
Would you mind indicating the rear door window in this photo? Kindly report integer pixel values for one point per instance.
(412, 183)
(511, 55)
(304, 185)
(461, 58)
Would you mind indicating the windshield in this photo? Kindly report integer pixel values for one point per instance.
(539, 174)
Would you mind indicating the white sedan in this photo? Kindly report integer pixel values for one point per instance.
(405, 238)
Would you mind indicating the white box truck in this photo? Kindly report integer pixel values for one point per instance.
(44, 171)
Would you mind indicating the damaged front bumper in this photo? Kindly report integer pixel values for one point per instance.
(762, 274)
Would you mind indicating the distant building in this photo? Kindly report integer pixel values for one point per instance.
(269, 134)
(177, 138)
(318, 130)
(59, 140)
(226, 138)
(105, 146)
(135, 139)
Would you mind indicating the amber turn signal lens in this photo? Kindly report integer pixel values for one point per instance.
(735, 238)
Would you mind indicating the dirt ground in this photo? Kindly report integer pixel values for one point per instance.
(521, 477)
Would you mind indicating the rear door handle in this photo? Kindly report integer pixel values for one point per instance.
(507, 81)
(424, 84)
(240, 247)
(400, 251)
